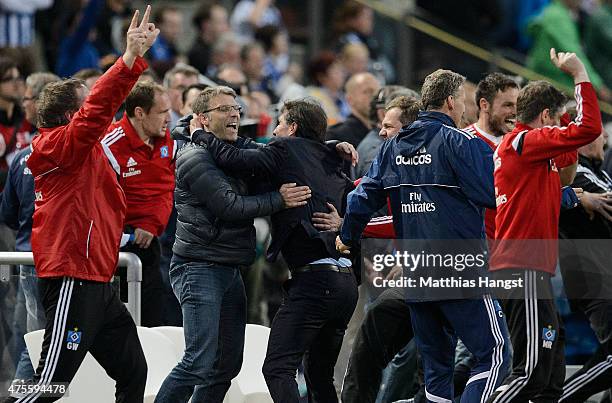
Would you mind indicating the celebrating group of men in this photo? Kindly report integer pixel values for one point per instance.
(512, 163)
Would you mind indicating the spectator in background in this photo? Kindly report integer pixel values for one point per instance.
(354, 24)
(16, 212)
(170, 22)
(225, 51)
(248, 15)
(210, 21)
(189, 95)
(150, 76)
(15, 130)
(360, 89)
(110, 26)
(276, 62)
(556, 27)
(355, 58)
(76, 49)
(141, 151)
(598, 40)
(252, 61)
(89, 76)
(327, 76)
(234, 78)
(368, 147)
(176, 81)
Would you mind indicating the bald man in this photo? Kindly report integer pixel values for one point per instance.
(360, 88)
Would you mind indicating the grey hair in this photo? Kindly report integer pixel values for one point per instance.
(438, 86)
(37, 82)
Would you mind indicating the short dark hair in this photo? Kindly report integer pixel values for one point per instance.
(537, 96)
(56, 99)
(158, 14)
(438, 86)
(309, 116)
(203, 13)
(383, 96)
(142, 95)
(409, 106)
(198, 86)
(246, 49)
(6, 64)
(344, 14)
(489, 86)
(320, 64)
(266, 34)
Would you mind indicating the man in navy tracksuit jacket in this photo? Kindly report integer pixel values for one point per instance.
(443, 169)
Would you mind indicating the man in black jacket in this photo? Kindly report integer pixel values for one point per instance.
(322, 292)
(214, 238)
(584, 258)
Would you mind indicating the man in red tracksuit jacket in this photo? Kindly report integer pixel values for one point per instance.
(528, 191)
(142, 153)
(78, 220)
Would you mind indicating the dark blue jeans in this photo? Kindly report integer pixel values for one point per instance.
(309, 325)
(35, 316)
(213, 302)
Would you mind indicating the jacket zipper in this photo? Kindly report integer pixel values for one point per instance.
(88, 237)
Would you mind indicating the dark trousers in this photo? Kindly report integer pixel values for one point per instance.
(596, 375)
(152, 288)
(480, 325)
(385, 330)
(538, 341)
(309, 325)
(87, 316)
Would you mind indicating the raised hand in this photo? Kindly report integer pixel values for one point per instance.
(570, 64)
(140, 37)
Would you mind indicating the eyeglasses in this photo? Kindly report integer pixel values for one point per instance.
(226, 109)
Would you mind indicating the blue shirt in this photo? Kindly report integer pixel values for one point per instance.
(17, 205)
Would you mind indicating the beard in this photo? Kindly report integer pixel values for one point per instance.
(498, 126)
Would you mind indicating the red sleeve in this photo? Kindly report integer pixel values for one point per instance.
(380, 227)
(551, 141)
(68, 148)
(566, 159)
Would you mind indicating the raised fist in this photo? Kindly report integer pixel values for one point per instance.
(569, 63)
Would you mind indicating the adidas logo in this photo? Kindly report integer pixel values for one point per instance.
(131, 162)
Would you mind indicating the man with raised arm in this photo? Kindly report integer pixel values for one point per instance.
(78, 221)
(528, 190)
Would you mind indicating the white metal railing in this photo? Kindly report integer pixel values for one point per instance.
(128, 260)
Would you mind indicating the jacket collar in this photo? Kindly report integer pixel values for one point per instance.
(593, 165)
(436, 116)
(133, 137)
(520, 127)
